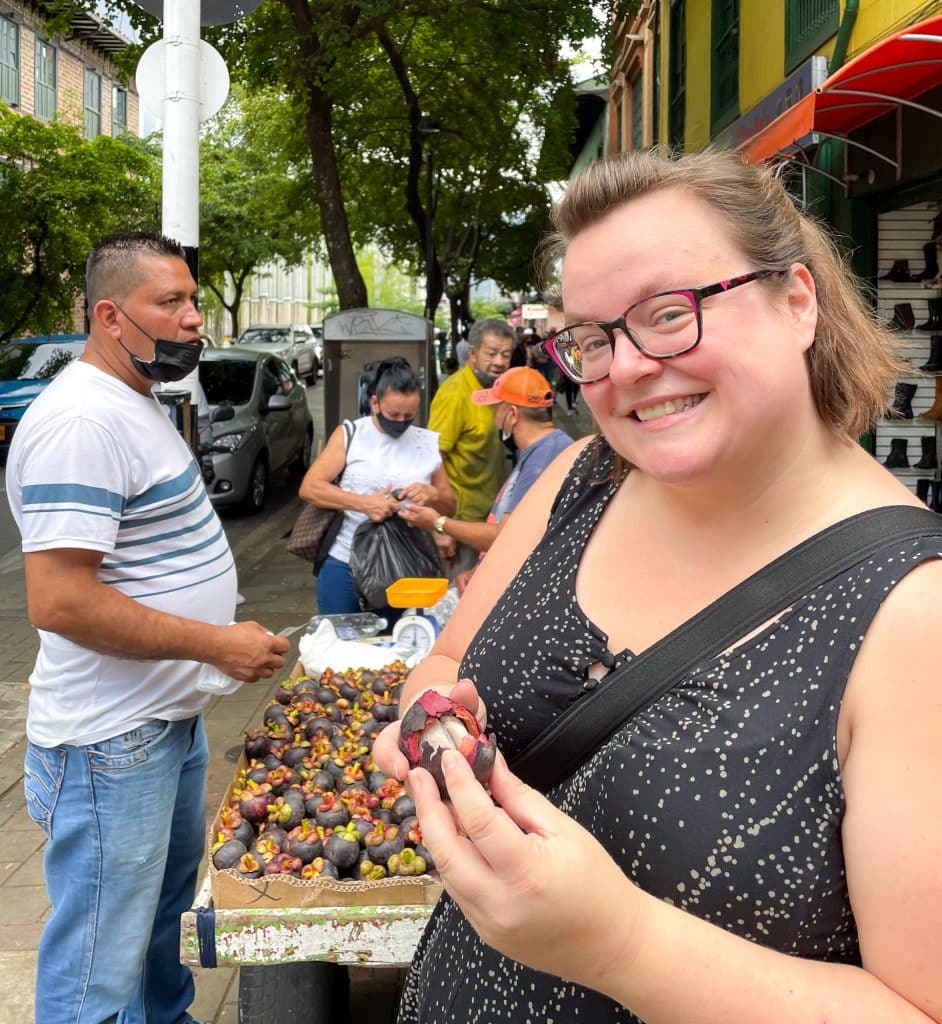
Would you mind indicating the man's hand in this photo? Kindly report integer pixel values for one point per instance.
(248, 652)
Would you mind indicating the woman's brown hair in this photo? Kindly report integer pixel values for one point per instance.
(851, 364)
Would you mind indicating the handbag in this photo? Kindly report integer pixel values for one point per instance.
(316, 528)
(578, 732)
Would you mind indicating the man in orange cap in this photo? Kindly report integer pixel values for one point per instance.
(523, 401)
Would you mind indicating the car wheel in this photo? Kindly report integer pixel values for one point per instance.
(304, 456)
(311, 378)
(254, 499)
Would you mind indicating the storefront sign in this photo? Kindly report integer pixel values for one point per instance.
(799, 84)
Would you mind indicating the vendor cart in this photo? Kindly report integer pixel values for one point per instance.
(293, 960)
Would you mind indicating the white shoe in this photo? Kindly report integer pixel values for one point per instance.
(240, 599)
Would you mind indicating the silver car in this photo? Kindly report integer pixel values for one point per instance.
(261, 423)
(294, 345)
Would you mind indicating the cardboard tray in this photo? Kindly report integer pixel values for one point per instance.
(232, 892)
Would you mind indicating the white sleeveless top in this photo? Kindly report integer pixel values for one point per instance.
(376, 460)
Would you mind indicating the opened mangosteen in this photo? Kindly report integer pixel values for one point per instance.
(434, 724)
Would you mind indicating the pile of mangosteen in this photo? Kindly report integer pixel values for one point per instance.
(311, 802)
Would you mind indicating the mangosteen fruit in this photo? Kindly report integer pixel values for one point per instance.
(404, 807)
(320, 867)
(228, 853)
(284, 864)
(305, 842)
(342, 847)
(331, 812)
(254, 801)
(250, 867)
(382, 842)
(434, 724)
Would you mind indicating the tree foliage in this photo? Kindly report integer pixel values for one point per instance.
(256, 203)
(61, 195)
(361, 73)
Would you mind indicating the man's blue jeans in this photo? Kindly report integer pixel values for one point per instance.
(125, 820)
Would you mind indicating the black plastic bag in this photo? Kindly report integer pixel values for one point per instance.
(382, 553)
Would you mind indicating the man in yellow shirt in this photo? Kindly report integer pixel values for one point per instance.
(471, 448)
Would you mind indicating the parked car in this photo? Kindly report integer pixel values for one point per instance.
(261, 423)
(316, 333)
(27, 365)
(295, 346)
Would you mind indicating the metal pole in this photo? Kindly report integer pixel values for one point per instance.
(181, 125)
(429, 235)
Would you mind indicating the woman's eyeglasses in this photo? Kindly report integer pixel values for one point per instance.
(661, 326)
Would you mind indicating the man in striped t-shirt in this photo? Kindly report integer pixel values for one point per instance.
(132, 586)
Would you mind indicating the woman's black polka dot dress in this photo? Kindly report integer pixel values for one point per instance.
(723, 798)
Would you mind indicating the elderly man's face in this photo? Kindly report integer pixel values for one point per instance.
(493, 355)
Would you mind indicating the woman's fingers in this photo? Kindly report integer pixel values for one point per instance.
(466, 694)
(386, 752)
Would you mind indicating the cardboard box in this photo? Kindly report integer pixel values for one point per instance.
(233, 892)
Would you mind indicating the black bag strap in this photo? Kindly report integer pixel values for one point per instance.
(584, 727)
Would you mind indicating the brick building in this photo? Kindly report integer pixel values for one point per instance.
(71, 74)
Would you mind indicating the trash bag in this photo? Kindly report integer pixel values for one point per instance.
(382, 553)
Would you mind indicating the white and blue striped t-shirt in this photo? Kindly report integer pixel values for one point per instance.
(96, 465)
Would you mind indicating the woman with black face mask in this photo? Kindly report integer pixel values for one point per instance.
(389, 461)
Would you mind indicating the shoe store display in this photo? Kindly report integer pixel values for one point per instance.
(899, 272)
(934, 323)
(934, 365)
(898, 458)
(931, 253)
(929, 458)
(902, 407)
(903, 317)
(935, 413)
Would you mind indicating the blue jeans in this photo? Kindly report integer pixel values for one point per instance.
(125, 821)
(337, 595)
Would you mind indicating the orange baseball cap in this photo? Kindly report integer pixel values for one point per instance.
(521, 385)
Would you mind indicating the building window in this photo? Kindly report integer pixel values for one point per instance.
(119, 111)
(45, 80)
(637, 113)
(725, 91)
(92, 104)
(677, 74)
(808, 25)
(9, 61)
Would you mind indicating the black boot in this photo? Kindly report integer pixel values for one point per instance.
(935, 355)
(931, 254)
(897, 459)
(934, 323)
(903, 318)
(902, 407)
(929, 459)
(934, 500)
(899, 272)
(924, 490)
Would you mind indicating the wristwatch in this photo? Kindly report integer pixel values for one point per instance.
(440, 524)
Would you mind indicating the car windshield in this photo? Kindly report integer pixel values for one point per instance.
(37, 362)
(264, 336)
(227, 381)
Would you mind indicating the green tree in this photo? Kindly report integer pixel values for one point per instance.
(61, 195)
(256, 202)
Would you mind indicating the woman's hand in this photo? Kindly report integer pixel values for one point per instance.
(422, 516)
(378, 505)
(386, 753)
(523, 874)
(418, 494)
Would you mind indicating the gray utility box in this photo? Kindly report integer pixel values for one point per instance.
(354, 338)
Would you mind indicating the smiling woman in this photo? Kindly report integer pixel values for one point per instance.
(733, 832)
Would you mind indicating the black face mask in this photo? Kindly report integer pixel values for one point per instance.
(484, 379)
(395, 428)
(173, 360)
